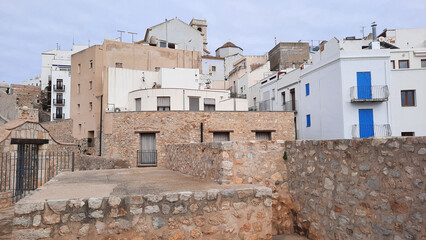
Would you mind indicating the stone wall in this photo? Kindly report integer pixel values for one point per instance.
(250, 162)
(213, 214)
(61, 130)
(359, 189)
(121, 136)
(331, 189)
(88, 162)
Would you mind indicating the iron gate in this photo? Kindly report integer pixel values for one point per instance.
(26, 169)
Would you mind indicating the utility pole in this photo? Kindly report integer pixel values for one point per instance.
(132, 33)
(121, 34)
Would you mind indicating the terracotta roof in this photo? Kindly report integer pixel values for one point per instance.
(228, 44)
(212, 57)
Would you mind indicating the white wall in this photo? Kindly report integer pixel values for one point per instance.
(180, 78)
(228, 51)
(179, 99)
(66, 77)
(180, 33)
(219, 74)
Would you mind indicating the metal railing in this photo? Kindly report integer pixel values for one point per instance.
(290, 106)
(237, 95)
(375, 130)
(59, 88)
(22, 173)
(58, 101)
(58, 116)
(253, 108)
(369, 93)
(265, 105)
(146, 158)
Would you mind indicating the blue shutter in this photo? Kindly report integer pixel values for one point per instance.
(308, 120)
(307, 89)
(366, 123)
(364, 85)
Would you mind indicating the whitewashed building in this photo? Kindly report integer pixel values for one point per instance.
(56, 78)
(177, 89)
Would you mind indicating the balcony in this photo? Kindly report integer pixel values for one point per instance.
(371, 130)
(237, 95)
(369, 93)
(59, 102)
(265, 105)
(59, 88)
(289, 106)
(58, 116)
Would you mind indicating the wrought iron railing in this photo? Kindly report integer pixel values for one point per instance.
(59, 88)
(58, 101)
(237, 95)
(265, 105)
(290, 106)
(23, 172)
(146, 158)
(369, 93)
(375, 130)
(58, 116)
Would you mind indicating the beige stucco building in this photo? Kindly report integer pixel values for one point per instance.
(89, 73)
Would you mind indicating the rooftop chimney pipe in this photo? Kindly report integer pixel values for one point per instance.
(373, 27)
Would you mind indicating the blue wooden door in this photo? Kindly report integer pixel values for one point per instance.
(364, 85)
(366, 123)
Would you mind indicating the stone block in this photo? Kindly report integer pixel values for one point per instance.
(57, 205)
(158, 222)
(77, 217)
(84, 230)
(97, 214)
(24, 221)
(154, 198)
(114, 201)
(25, 208)
(94, 203)
(30, 234)
(152, 209)
(172, 197)
(198, 196)
(228, 193)
(36, 220)
(212, 194)
(76, 203)
(263, 192)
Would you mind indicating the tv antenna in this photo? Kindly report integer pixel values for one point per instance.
(121, 34)
(362, 31)
(132, 33)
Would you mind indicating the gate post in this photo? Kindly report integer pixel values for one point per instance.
(72, 162)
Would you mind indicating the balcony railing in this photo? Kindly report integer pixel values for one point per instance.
(265, 105)
(59, 88)
(59, 102)
(253, 108)
(369, 93)
(237, 95)
(146, 158)
(290, 106)
(58, 116)
(371, 130)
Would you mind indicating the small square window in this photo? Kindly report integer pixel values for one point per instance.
(308, 120)
(403, 64)
(213, 68)
(79, 68)
(78, 107)
(408, 98)
(91, 64)
(119, 65)
(283, 97)
(163, 44)
(393, 64)
(307, 89)
(423, 63)
(78, 88)
(163, 103)
(221, 136)
(263, 136)
(90, 85)
(90, 106)
(407, 134)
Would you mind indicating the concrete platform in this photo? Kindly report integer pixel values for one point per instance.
(120, 182)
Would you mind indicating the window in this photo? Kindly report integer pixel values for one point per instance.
(403, 64)
(119, 65)
(59, 84)
(138, 103)
(283, 97)
(78, 108)
(308, 120)
(423, 63)
(59, 114)
(199, 29)
(194, 104)
(307, 89)
(78, 88)
(91, 64)
(163, 103)
(393, 64)
(163, 44)
(79, 128)
(408, 98)
(91, 138)
(221, 136)
(59, 98)
(209, 104)
(90, 106)
(273, 94)
(407, 134)
(90, 85)
(213, 68)
(79, 68)
(263, 135)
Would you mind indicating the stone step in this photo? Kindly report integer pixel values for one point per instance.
(289, 237)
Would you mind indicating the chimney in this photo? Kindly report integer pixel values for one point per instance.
(373, 27)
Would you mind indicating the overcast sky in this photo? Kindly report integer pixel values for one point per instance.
(28, 28)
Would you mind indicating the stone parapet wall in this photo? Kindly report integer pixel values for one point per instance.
(61, 130)
(88, 162)
(121, 135)
(250, 162)
(359, 189)
(234, 213)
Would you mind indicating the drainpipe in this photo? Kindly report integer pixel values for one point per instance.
(100, 128)
(201, 130)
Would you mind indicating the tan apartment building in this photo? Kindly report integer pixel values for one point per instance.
(89, 74)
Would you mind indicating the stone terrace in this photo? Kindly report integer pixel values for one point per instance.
(143, 204)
